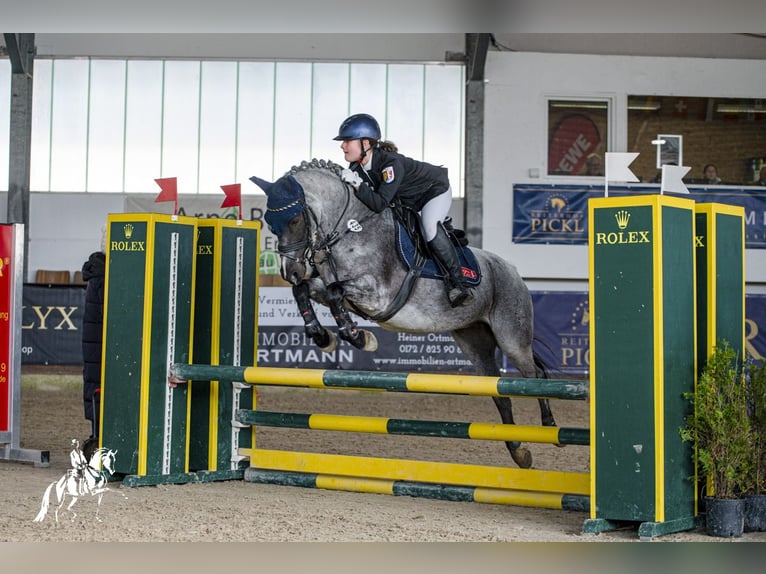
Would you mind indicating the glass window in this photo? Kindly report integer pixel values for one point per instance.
(578, 136)
(292, 116)
(255, 124)
(330, 108)
(5, 119)
(117, 125)
(367, 92)
(728, 133)
(39, 163)
(143, 126)
(218, 124)
(443, 120)
(106, 126)
(180, 124)
(405, 110)
(69, 125)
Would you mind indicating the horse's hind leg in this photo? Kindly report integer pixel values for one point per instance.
(321, 336)
(478, 344)
(545, 407)
(360, 338)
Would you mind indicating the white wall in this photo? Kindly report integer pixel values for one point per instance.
(516, 136)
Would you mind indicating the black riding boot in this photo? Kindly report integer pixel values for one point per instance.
(441, 247)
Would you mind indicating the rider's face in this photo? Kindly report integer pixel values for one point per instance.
(352, 149)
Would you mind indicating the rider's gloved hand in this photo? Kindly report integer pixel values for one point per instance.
(351, 177)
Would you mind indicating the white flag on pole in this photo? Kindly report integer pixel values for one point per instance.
(617, 168)
(671, 178)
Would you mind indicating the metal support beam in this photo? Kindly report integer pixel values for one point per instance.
(23, 46)
(476, 56)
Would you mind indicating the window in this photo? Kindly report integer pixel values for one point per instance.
(578, 136)
(726, 132)
(115, 125)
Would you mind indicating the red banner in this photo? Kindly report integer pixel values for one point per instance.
(6, 289)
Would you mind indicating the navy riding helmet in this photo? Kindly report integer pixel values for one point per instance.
(357, 127)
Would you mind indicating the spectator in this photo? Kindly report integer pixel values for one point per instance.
(711, 175)
(762, 177)
(593, 165)
(93, 273)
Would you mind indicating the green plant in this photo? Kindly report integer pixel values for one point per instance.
(755, 374)
(719, 426)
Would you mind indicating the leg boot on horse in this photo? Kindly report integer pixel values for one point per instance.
(441, 247)
(322, 337)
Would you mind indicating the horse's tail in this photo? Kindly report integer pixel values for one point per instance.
(45, 503)
(543, 366)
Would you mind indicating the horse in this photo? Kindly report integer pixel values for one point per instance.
(86, 477)
(339, 253)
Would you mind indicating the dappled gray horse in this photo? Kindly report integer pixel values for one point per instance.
(339, 253)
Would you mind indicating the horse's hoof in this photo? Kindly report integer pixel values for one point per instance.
(331, 345)
(522, 457)
(370, 341)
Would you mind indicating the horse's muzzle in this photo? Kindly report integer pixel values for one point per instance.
(294, 271)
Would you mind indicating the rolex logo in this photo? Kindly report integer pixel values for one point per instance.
(129, 230)
(622, 218)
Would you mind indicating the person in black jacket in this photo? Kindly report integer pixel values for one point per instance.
(379, 174)
(93, 272)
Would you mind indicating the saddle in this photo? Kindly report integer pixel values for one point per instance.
(414, 253)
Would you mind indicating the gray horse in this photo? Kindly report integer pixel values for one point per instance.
(339, 253)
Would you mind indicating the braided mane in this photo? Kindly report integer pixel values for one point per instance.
(316, 164)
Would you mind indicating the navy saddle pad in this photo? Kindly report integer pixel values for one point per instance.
(406, 248)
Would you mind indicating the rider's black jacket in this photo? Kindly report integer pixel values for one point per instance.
(393, 175)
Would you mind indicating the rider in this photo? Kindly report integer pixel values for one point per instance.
(378, 174)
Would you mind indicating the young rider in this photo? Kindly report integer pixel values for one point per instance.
(378, 174)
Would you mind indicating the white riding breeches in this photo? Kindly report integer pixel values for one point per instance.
(435, 211)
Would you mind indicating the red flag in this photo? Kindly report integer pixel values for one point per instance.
(169, 187)
(233, 197)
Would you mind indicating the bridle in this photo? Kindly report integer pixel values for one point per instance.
(311, 244)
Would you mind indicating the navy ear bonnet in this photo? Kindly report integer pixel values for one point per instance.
(285, 200)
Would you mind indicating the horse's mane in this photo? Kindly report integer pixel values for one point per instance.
(315, 163)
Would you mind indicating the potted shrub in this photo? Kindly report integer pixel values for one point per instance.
(755, 501)
(719, 428)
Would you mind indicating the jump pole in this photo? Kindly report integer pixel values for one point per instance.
(451, 481)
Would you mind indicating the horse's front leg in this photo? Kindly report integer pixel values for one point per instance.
(322, 337)
(347, 329)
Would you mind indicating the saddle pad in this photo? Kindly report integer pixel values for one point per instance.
(406, 249)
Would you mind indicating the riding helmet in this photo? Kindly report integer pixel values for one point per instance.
(357, 127)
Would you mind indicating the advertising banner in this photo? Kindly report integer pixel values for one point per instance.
(558, 213)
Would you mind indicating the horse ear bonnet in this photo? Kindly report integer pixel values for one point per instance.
(285, 200)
